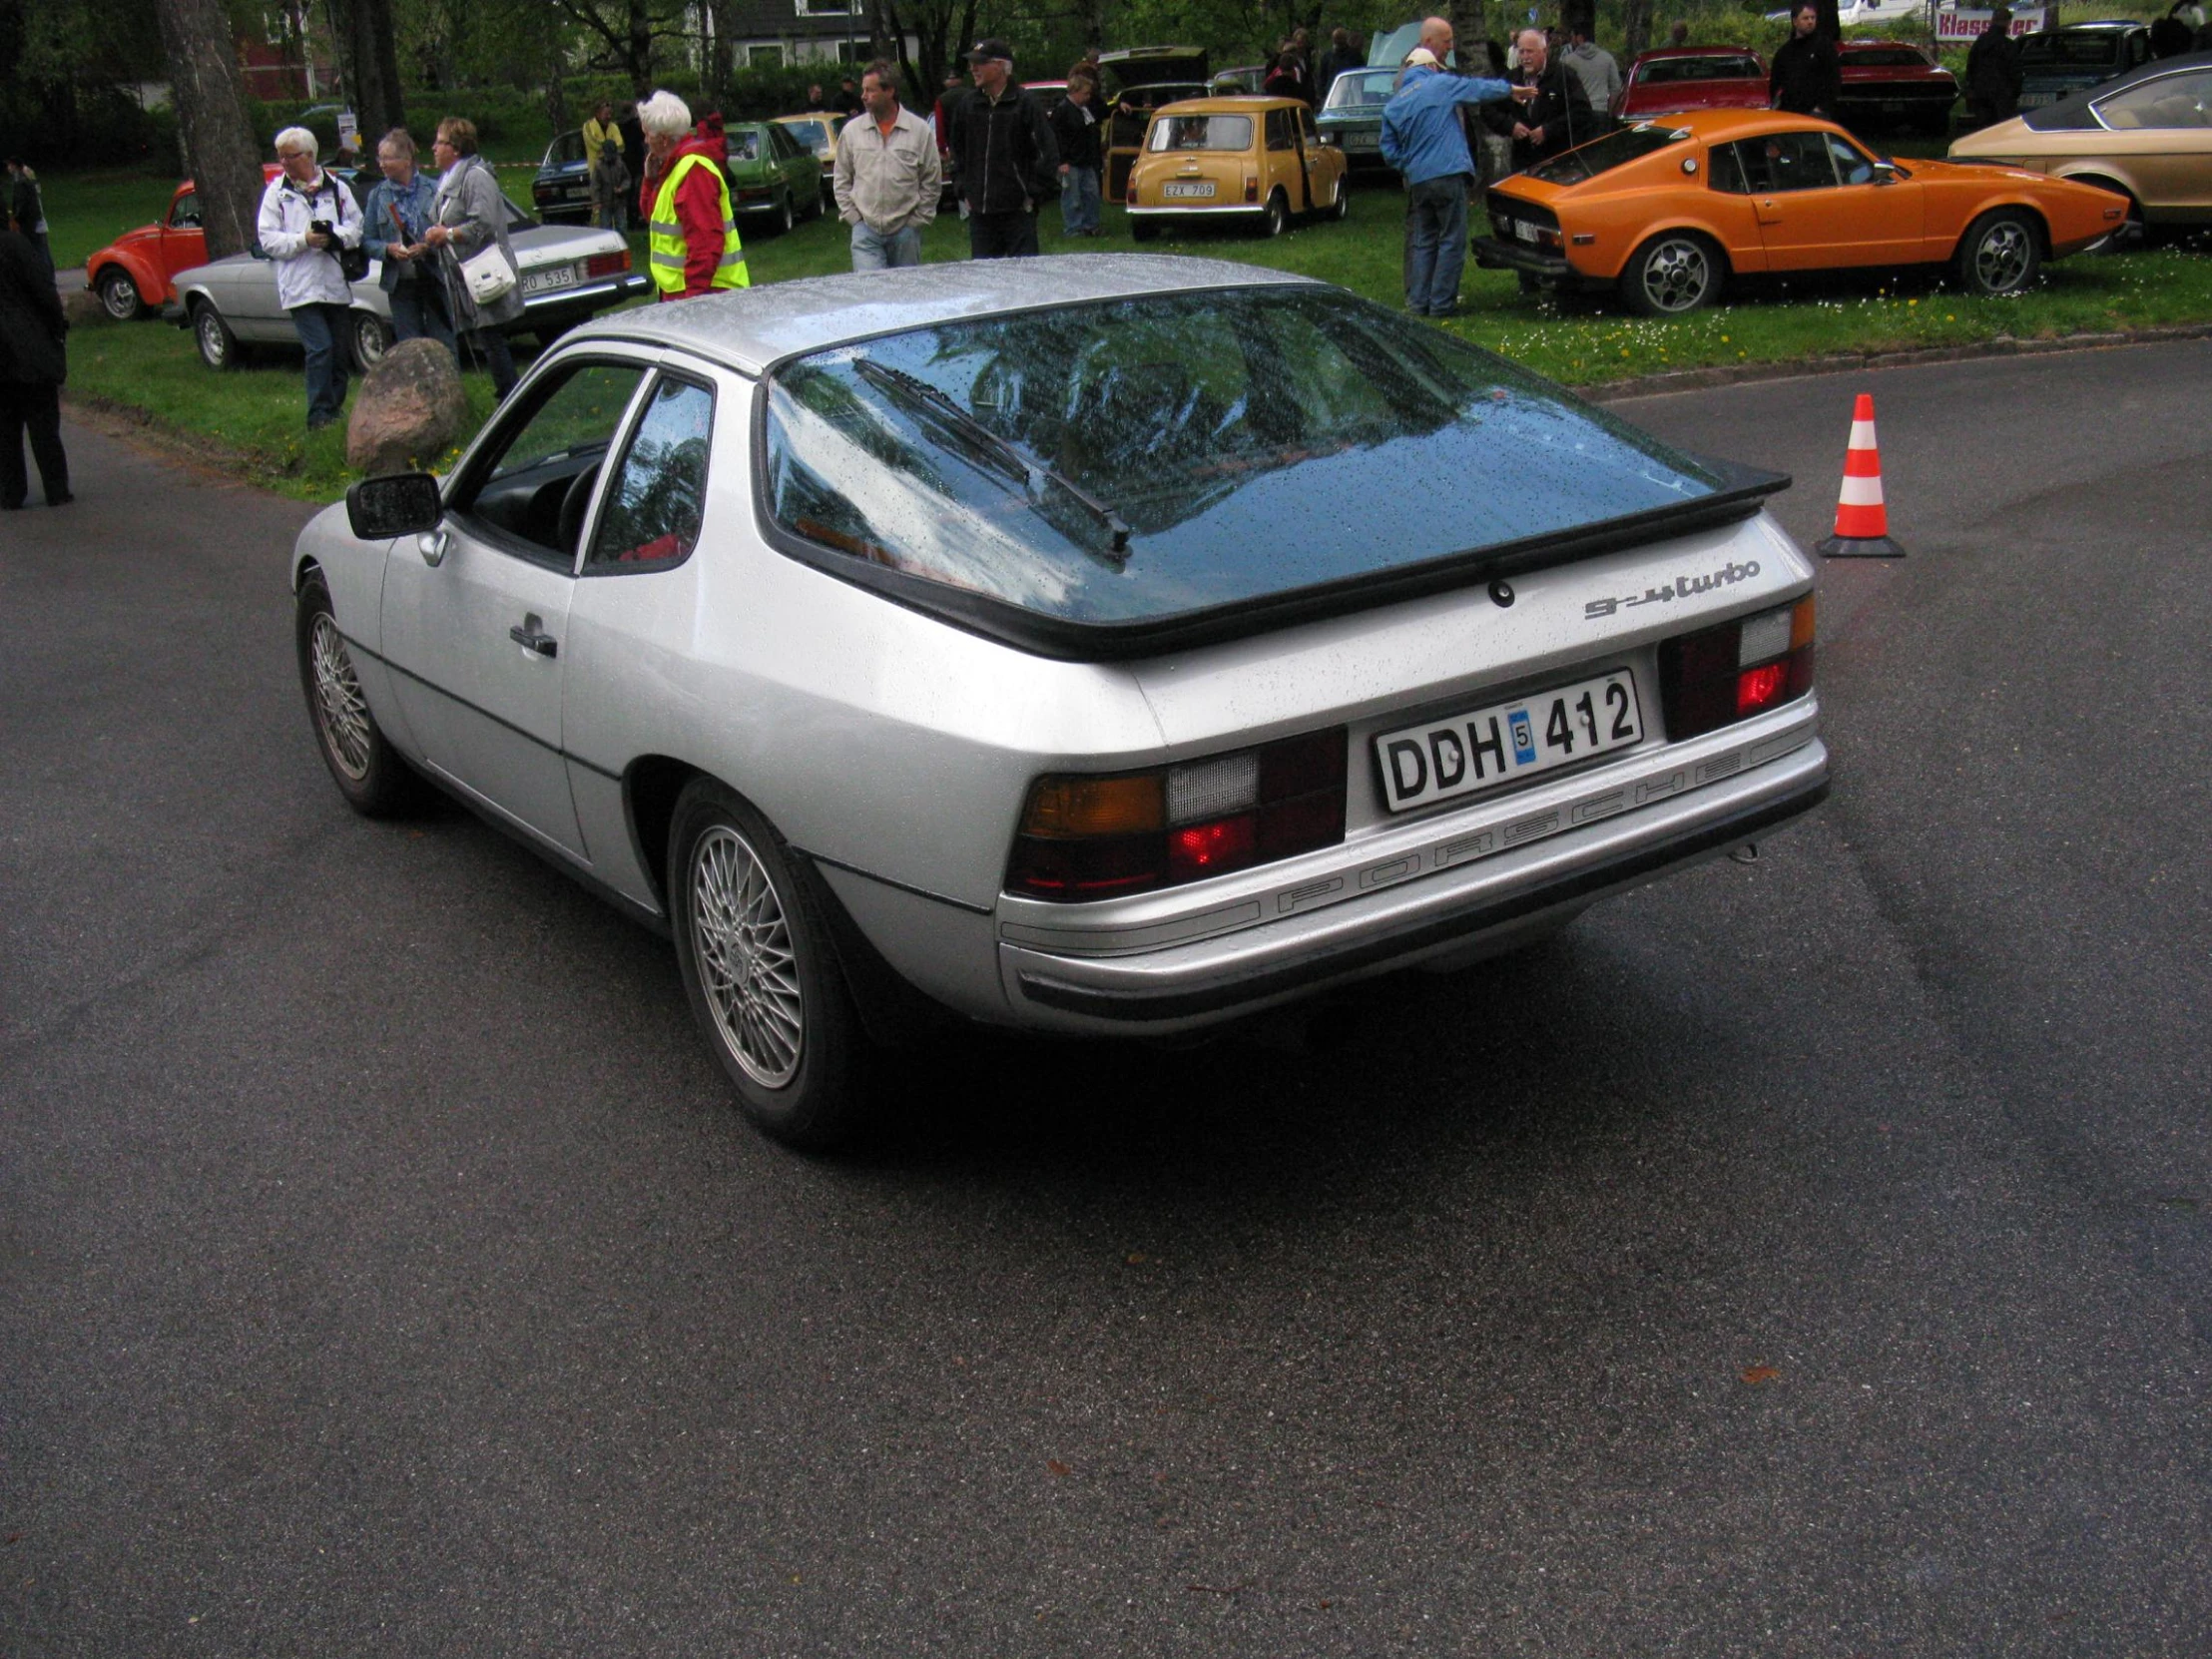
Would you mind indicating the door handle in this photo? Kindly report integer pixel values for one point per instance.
(526, 634)
(433, 544)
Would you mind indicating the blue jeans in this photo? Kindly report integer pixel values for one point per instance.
(321, 329)
(1435, 243)
(418, 312)
(873, 251)
(1079, 201)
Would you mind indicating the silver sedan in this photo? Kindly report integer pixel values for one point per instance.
(567, 274)
(1088, 644)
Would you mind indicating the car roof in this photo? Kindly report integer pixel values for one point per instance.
(1720, 125)
(1231, 103)
(1849, 46)
(2102, 26)
(1695, 52)
(749, 329)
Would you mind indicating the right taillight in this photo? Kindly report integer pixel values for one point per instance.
(1739, 669)
(1085, 836)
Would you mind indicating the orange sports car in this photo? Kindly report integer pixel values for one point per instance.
(1667, 211)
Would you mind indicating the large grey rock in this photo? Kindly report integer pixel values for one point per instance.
(411, 411)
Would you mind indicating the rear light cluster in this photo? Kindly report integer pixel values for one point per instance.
(606, 264)
(1085, 836)
(1717, 675)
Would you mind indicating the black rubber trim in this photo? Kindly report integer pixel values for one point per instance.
(1327, 964)
(475, 709)
(1492, 255)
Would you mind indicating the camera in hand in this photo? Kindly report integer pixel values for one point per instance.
(321, 227)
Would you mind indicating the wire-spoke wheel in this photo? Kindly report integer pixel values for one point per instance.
(367, 770)
(742, 943)
(2000, 254)
(1674, 273)
(757, 966)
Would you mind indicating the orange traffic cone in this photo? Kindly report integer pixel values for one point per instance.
(1862, 520)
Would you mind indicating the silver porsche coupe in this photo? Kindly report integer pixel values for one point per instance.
(1098, 644)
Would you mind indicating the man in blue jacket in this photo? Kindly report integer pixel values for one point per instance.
(1424, 137)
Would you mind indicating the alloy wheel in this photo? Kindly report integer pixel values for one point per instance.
(748, 969)
(2002, 257)
(340, 710)
(1678, 274)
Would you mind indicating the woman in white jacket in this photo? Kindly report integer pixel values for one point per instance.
(309, 283)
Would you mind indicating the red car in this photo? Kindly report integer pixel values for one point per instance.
(132, 273)
(1678, 78)
(1892, 83)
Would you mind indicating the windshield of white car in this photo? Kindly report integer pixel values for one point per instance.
(1630, 144)
(1138, 459)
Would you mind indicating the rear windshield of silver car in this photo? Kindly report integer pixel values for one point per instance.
(1630, 144)
(1138, 459)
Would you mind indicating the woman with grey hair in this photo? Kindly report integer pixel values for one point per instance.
(692, 245)
(306, 218)
(468, 215)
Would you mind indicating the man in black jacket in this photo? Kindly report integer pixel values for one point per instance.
(31, 365)
(1993, 76)
(1559, 118)
(1807, 76)
(1003, 155)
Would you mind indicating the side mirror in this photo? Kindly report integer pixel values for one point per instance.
(381, 508)
(1884, 173)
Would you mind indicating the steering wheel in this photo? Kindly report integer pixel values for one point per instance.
(576, 502)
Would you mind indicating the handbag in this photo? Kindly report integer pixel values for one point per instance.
(353, 262)
(489, 274)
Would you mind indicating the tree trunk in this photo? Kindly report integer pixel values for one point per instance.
(718, 61)
(880, 42)
(210, 120)
(1471, 27)
(371, 57)
(640, 49)
(1635, 29)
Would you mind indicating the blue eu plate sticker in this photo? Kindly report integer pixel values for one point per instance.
(1525, 737)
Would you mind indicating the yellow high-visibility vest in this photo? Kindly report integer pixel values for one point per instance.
(664, 245)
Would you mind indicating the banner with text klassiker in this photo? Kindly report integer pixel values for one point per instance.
(1956, 26)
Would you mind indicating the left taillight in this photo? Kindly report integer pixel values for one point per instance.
(1742, 667)
(1085, 836)
(606, 264)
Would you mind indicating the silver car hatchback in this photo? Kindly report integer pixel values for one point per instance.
(1087, 644)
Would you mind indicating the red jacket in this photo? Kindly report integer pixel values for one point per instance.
(697, 210)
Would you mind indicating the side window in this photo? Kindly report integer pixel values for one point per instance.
(1798, 161)
(1306, 128)
(652, 515)
(184, 212)
(2169, 100)
(537, 481)
(1851, 167)
(1279, 130)
(1725, 170)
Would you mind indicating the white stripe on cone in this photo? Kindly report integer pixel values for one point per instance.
(1861, 492)
(1862, 435)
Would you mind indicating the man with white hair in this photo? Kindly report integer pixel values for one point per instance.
(1423, 138)
(692, 245)
(1556, 115)
(306, 218)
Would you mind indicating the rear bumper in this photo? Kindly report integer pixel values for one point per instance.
(586, 300)
(1203, 210)
(1452, 909)
(1493, 254)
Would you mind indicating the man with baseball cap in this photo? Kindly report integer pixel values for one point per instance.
(1003, 155)
(1423, 138)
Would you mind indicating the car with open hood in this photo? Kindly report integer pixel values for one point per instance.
(1135, 83)
(1253, 161)
(2147, 136)
(990, 642)
(1350, 117)
(1669, 212)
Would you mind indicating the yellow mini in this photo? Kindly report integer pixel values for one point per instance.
(1257, 158)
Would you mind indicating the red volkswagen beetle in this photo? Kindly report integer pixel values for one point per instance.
(132, 273)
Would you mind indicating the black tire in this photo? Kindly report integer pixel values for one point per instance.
(785, 218)
(1341, 209)
(1276, 217)
(1672, 274)
(368, 338)
(778, 1015)
(219, 347)
(368, 771)
(2133, 231)
(1143, 230)
(118, 295)
(2001, 253)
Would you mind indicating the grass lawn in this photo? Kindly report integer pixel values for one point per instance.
(85, 211)
(257, 414)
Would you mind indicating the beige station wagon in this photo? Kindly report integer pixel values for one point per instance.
(1255, 158)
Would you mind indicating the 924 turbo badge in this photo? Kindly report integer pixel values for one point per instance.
(1682, 587)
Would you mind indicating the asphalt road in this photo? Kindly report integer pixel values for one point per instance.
(1809, 1258)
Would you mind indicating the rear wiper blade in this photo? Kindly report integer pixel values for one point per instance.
(901, 384)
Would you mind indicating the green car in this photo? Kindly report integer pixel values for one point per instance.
(772, 174)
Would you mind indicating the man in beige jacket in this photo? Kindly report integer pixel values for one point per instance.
(888, 175)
